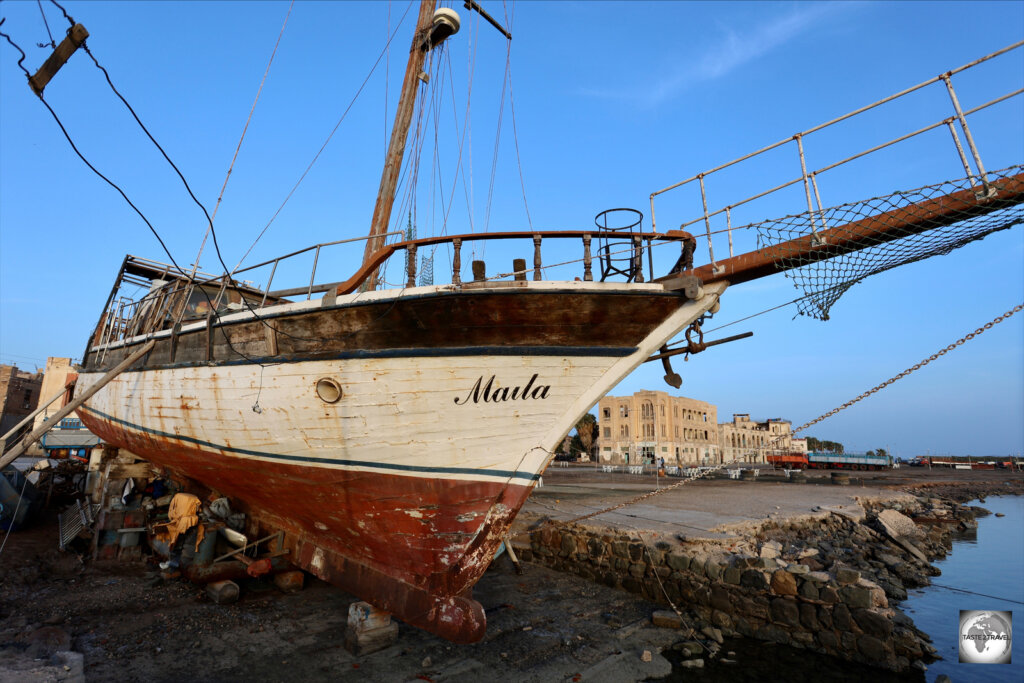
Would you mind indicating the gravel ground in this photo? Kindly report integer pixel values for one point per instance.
(542, 626)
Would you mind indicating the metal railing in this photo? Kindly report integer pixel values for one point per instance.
(815, 208)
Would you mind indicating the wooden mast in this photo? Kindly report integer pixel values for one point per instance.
(399, 135)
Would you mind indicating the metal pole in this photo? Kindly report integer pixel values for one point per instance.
(967, 132)
(707, 224)
(71, 406)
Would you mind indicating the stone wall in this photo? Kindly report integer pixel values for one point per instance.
(821, 583)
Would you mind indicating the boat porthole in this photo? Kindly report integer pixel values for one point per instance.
(328, 390)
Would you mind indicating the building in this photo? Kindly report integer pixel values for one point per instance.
(748, 440)
(650, 425)
(55, 379)
(19, 395)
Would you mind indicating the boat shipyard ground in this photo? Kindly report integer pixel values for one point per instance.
(544, 625)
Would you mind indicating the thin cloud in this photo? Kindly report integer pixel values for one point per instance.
(733, 50)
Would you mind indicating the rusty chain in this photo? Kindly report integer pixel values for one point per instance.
(918, 366)
(705, 472)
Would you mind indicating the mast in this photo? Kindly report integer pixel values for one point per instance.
(399, 135)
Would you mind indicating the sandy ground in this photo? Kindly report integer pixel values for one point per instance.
(542, 626)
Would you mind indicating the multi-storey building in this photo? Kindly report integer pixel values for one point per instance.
(748, 440)
(650, 425)
(19, 395)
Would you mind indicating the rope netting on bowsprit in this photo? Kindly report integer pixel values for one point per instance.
(825, 252)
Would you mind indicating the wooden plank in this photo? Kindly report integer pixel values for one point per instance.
(873, 230)
(140, 470)
(60, 56)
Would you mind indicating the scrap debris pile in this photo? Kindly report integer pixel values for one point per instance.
(123, 508)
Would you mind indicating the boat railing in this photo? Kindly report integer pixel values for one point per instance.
(171, 297)
(808, 179)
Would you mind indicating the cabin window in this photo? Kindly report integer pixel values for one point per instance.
(623, 430)
(607, 413)
(623, 410)
(607, 432)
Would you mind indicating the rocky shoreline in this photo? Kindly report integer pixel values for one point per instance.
(828, 582)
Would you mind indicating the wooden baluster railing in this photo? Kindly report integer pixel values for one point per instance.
(588, 276)
(457, 261)
(536, 259)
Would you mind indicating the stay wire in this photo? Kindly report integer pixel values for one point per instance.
(245, 129)
(74, 147)
(302, 177)
(53, 43)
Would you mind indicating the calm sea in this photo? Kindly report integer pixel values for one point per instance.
(989, 561)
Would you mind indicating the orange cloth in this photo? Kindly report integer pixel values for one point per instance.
(183, 515)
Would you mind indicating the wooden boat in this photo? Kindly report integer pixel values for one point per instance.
(394, 434)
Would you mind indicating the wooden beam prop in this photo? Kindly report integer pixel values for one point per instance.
(70, 407)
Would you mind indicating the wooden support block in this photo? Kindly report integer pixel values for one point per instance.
(141, 470)
(369, 629)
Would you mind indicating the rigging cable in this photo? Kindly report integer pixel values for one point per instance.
(324, 145)
(918, 366)
(497, 133)
(53, 43)
(86, 161)
(245, 128)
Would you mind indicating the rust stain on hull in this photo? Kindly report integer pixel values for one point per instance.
(414, 546)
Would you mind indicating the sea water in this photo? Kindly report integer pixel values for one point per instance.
(989, 564)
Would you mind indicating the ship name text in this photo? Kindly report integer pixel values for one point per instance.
(488, 393)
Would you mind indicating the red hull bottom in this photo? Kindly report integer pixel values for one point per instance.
(413, 546)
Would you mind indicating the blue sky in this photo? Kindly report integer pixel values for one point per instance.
(611, 102)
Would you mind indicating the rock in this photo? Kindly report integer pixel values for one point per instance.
(818, 577)
(828, 595)
(732, 575)
(783, 583)
(998, 514)
(678, 561)
(873, 623)
(845, 575)
(841, 618)
(878, 598)
(809, 590)
(692, 664)
(807, 552)
(872, 648)
(771, 550)
(798, 569)
(855, 596)
(713, 633)
(645, 656)
(828, 640)
(752, 578)
(785, 611)
(899, 525)
(666, 619)
(943, 678)
(426, 663)
(712, 570)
